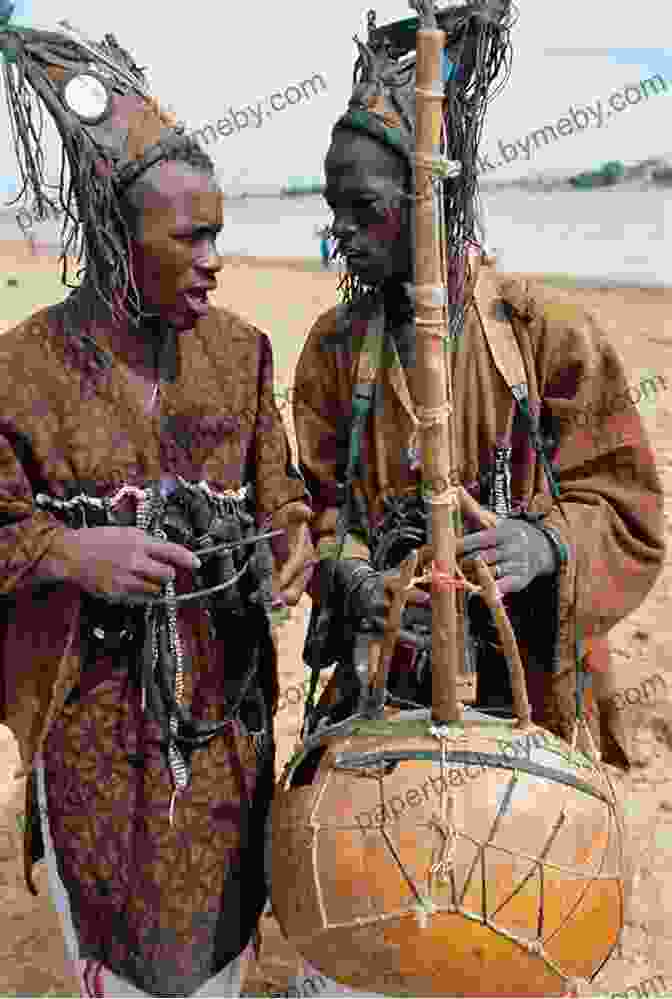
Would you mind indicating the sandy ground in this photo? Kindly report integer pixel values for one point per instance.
(285, 301)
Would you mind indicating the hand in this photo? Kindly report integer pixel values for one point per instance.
(518, 551)
(119, 563)
(371, 599)
(295, 553)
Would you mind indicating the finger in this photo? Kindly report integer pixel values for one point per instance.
(491, 555)
(292, 594)
(282, 548)
(136, 593)
(476, 541)
(298, 567)
(298, 574)
(510, 581)
(146, 583)
(298, 557)
(174, 555)
(415, 595)
(153, 572)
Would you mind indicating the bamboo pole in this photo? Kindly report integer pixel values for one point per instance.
(431, 383)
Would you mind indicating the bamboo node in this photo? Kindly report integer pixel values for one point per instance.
(439, 165)
(446, 498)
(435, 94)
(427, 294)
(430, 324)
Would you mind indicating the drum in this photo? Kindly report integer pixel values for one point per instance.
(480, 859)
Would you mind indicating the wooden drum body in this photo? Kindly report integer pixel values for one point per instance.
(530, 894)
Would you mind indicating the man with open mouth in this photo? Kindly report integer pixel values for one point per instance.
(151, 521)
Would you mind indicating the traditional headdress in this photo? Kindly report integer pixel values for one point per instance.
(383, 98)
(112, 130)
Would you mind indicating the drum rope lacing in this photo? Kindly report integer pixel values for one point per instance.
(443, 862)
(444, 867)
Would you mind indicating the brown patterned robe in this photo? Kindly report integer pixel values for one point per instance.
(165, 908)
(603, 462)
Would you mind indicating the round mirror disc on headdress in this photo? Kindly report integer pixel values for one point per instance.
(87, 96)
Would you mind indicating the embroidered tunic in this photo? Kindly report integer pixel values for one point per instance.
(164, 906)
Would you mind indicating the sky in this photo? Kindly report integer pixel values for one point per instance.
(227, 57)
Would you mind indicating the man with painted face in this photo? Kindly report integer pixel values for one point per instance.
(143, 463)
(526, 363)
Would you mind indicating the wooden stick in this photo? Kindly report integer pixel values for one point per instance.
(431, 386)
(400, 588)
(432, 397)
(490, 595)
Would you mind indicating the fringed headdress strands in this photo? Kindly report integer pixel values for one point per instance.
(111, 129)
(383, 105)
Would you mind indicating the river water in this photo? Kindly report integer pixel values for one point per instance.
(620, 235)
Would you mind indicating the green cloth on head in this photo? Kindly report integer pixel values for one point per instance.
(383, 99)
(365, 121)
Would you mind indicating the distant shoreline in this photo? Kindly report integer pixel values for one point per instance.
(48, 255)
(45, 255)
(557, 280)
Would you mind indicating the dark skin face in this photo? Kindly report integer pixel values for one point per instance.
(365, 189)
(180, 218)
(174, 214)
(367, 192)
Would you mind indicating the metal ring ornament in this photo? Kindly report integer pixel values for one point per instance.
(88, 96)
